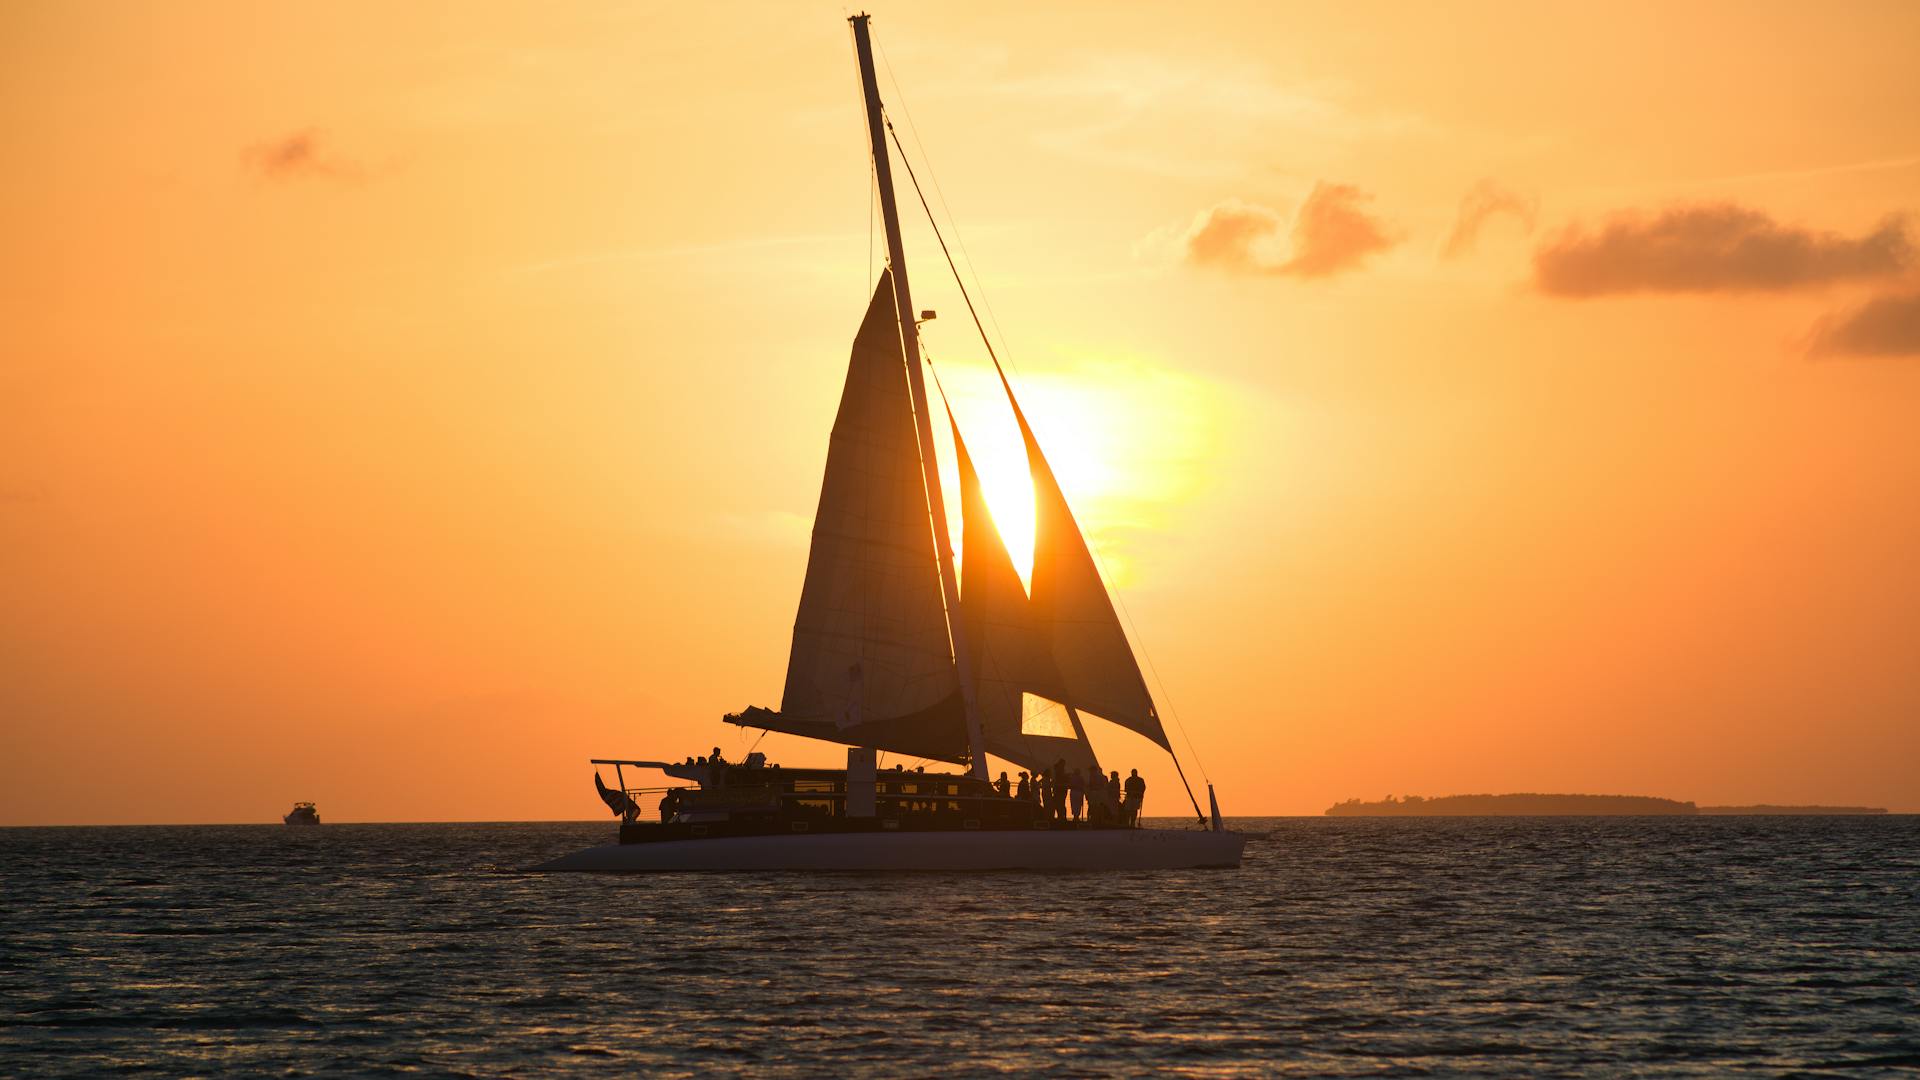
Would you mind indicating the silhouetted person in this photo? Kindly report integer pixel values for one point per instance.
(1001, 785)
(1136, 797)
(1112, 793)
(715, 757)
(1025, 790)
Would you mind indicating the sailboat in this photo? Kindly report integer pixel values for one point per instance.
(893, 653)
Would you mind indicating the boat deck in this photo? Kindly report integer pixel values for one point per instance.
(647, 832)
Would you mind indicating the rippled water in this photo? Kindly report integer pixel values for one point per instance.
(1533, 947)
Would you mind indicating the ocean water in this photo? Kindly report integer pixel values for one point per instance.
(1523, 947)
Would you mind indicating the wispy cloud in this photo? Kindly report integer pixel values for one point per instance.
(1485, 200)
(1190, 119)
(301, 155)
(1884, 326)
(1749, 179)
(1712, 248)
(673, 251)
(1332, 233)
(1134, 84)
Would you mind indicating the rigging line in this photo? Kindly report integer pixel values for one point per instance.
(873, 179)
(1191, 797)
(945, 526)
(907, 113)
(937, 235)
(939, 193)
(933, 222)
(906, 110)
(1166, 693)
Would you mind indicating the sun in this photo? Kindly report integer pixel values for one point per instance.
(1000, 459)
(1125, 440)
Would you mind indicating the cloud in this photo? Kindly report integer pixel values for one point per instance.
(1884, 326)
(1481, 202)
(300, 155)
(1231, 237)
(1199, 119)
(1332, 234)
(1712, 248)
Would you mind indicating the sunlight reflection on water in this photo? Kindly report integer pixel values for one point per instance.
(1519, 947)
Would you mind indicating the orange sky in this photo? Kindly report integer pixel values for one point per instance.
(400, 404)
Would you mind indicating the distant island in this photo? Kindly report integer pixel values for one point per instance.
(1533, 805)
(1769, 808)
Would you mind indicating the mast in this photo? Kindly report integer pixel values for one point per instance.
(910, 343)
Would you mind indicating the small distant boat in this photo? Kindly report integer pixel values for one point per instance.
(302, 813)
(891, 655)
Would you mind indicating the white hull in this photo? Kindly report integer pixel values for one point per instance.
(1103, 849)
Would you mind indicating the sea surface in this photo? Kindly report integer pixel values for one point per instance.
(1664, 946)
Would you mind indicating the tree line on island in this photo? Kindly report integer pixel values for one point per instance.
(1535, 805)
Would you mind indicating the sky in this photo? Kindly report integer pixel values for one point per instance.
(402, 404)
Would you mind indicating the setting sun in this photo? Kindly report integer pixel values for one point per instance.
(1129, 443)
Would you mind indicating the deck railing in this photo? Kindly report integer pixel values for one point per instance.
(646, 800)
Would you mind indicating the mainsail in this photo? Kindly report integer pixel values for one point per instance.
(1010, 657)
(871, 663)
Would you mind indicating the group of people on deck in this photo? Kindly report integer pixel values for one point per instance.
(1060, 792)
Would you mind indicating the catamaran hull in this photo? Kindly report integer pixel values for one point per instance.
(1107, 849)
